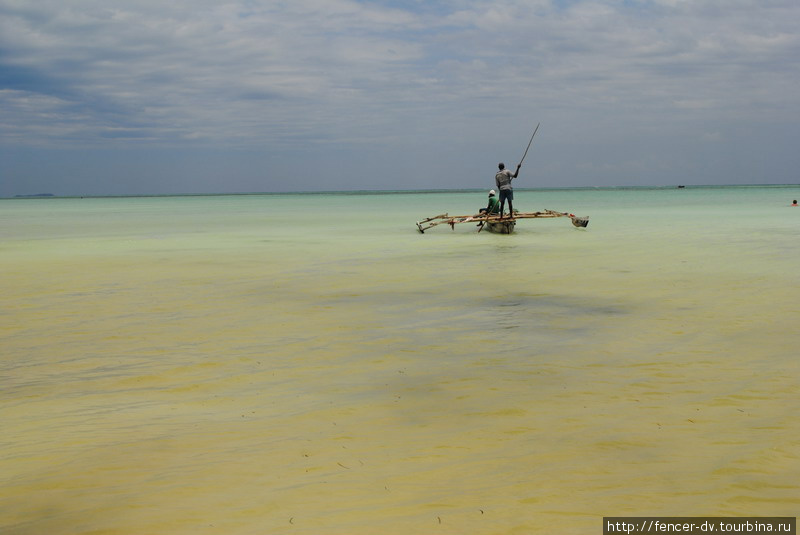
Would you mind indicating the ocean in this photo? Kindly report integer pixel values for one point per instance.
(312, 364)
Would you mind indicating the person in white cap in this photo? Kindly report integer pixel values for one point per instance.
(494, 204)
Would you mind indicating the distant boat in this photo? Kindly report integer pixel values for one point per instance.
(493, 223)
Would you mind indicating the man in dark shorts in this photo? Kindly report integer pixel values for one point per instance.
(503, 180)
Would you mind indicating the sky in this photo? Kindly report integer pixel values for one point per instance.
(129, 97)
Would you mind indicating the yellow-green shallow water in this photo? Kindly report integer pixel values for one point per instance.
(311, 364)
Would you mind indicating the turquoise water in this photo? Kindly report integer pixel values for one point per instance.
(312, 364)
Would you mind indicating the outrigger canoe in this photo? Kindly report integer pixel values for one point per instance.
(493, 223)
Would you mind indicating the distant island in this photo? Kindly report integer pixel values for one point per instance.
(36, 195)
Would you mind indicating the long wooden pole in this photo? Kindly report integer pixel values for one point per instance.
(529, 143)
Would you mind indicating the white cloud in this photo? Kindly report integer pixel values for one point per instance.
(295, 74)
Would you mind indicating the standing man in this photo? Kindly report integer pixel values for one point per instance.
(503, 180)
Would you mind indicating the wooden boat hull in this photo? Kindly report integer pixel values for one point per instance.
(501, 227)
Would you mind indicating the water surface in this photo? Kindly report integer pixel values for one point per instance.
(312, 364)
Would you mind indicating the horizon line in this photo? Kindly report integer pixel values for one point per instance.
(382, 191)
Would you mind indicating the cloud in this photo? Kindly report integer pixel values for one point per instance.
(378, 75)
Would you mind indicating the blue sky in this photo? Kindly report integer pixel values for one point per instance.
(104, 97)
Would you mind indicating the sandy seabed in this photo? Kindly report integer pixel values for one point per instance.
(191, 366)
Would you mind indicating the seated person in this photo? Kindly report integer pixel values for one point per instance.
(494, 205)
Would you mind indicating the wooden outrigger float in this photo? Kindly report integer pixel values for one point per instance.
(493, 223)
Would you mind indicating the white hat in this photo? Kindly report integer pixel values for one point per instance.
(492, 192)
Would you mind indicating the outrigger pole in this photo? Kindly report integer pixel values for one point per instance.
(451, 220)
(529, 143)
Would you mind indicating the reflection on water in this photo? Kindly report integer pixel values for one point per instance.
(238, 377)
